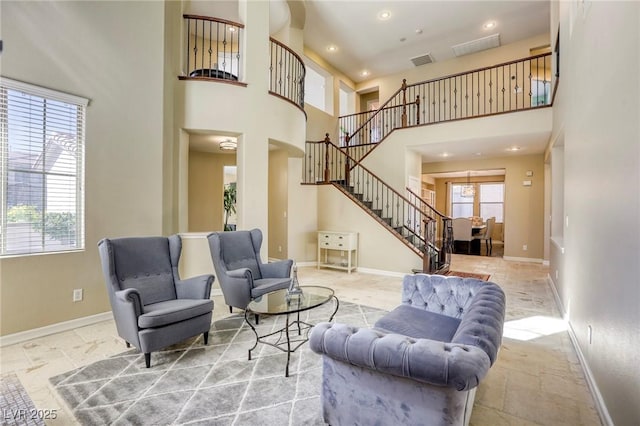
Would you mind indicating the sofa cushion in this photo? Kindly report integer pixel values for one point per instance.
(172, 311)
(419, 324)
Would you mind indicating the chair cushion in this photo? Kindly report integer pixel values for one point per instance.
(172, 311)
(266, 285)
(419, 324)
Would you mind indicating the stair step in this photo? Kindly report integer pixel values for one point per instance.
(378, 212)
(368, 204)
(387, 220)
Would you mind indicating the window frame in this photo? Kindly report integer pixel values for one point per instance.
(79, 106)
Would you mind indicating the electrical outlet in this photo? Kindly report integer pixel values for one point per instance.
(77, 295)
(524, 247)
(589, 334)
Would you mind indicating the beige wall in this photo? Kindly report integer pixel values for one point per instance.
(523, 205)
(206, 190)
(278, 204)
(378, 249)
(98, 50)
(319, 123)
(597, 126)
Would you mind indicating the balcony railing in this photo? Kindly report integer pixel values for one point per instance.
(512, 86)
(213, 48)
(286, 73)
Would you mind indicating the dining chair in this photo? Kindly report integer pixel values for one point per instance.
(462, 231)
(487, 235)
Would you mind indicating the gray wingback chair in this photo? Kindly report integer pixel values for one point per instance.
(420, 363)
(241, 274)
(152, 307)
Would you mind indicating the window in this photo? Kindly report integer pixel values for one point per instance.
(41, 169)
(460, 206)
(318, 87)
(492, 201)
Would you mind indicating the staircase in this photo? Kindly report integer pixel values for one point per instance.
(420, 227)
(518, 85)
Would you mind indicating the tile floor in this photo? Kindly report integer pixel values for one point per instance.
(537, 379)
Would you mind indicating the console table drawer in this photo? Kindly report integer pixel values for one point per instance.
(342, 241)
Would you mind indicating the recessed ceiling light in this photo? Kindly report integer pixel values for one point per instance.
(364, 73)
(514, 148)
(478, 153)
(445, 154)
(419, 31)
(489, 25)
(332, 48)
(383, 15)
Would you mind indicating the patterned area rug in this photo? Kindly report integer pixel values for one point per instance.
(208, 385)
(16, 406)
(483, 277)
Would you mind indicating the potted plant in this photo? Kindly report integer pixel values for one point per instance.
(229, 204)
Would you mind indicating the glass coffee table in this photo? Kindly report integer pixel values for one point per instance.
(280, 303)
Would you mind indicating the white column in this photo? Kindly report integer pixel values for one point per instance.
(253, 144)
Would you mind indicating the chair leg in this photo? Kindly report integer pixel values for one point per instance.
(490, 246)
(486, 243)
(147, 360)
(257, 318)
(128, 344)
(230, 309)
(206, 337)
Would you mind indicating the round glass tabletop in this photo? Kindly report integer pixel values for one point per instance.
(277, 302)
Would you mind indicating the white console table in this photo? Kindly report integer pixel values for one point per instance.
(341, 241)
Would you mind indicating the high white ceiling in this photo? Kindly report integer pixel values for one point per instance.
(364, 41)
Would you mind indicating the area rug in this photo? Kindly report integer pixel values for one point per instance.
(483, 277)
(16, 406)
(193, 384)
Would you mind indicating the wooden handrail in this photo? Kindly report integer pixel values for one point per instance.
(357, 163)
(427, 204)
(273, 40)
(433, 80)
(209, 18)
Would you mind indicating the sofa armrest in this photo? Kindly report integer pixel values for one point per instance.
(279, 269)
(198, 287)
(429, 361)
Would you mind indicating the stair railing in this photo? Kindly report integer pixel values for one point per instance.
(438, 230)
(512, 86)
(329, 164)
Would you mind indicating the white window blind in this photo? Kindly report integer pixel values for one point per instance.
(492, 201)
(42, 169)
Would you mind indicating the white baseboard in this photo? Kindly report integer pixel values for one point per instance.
(23, 336)
(591, 382)
(381, 272)
(523, 259)
(362, 270)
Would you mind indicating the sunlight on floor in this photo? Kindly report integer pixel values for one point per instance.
(533, 327)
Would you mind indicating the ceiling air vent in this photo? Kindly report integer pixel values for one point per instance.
(478, 45)
(422, 59)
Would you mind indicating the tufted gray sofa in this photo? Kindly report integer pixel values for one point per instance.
(421, 363)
